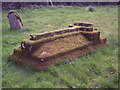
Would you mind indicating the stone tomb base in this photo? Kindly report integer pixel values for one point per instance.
(54, 47)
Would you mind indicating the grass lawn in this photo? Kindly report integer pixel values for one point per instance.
(90, 71)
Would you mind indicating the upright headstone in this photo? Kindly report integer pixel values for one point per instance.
(90, 8)
(15, 20)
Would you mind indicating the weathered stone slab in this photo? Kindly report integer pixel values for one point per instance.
(86, 24)
(15, 20)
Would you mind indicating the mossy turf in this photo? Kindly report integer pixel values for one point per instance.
(96, 70)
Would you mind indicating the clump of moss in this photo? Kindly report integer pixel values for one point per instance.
(16, 14)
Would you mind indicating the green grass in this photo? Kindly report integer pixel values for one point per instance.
(90, 71)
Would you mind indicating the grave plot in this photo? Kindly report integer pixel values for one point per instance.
(50, 48)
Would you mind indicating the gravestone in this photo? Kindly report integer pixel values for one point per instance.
(15, 20)
(90, 8)
(42, 50)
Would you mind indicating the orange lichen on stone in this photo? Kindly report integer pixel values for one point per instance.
(50, 48)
